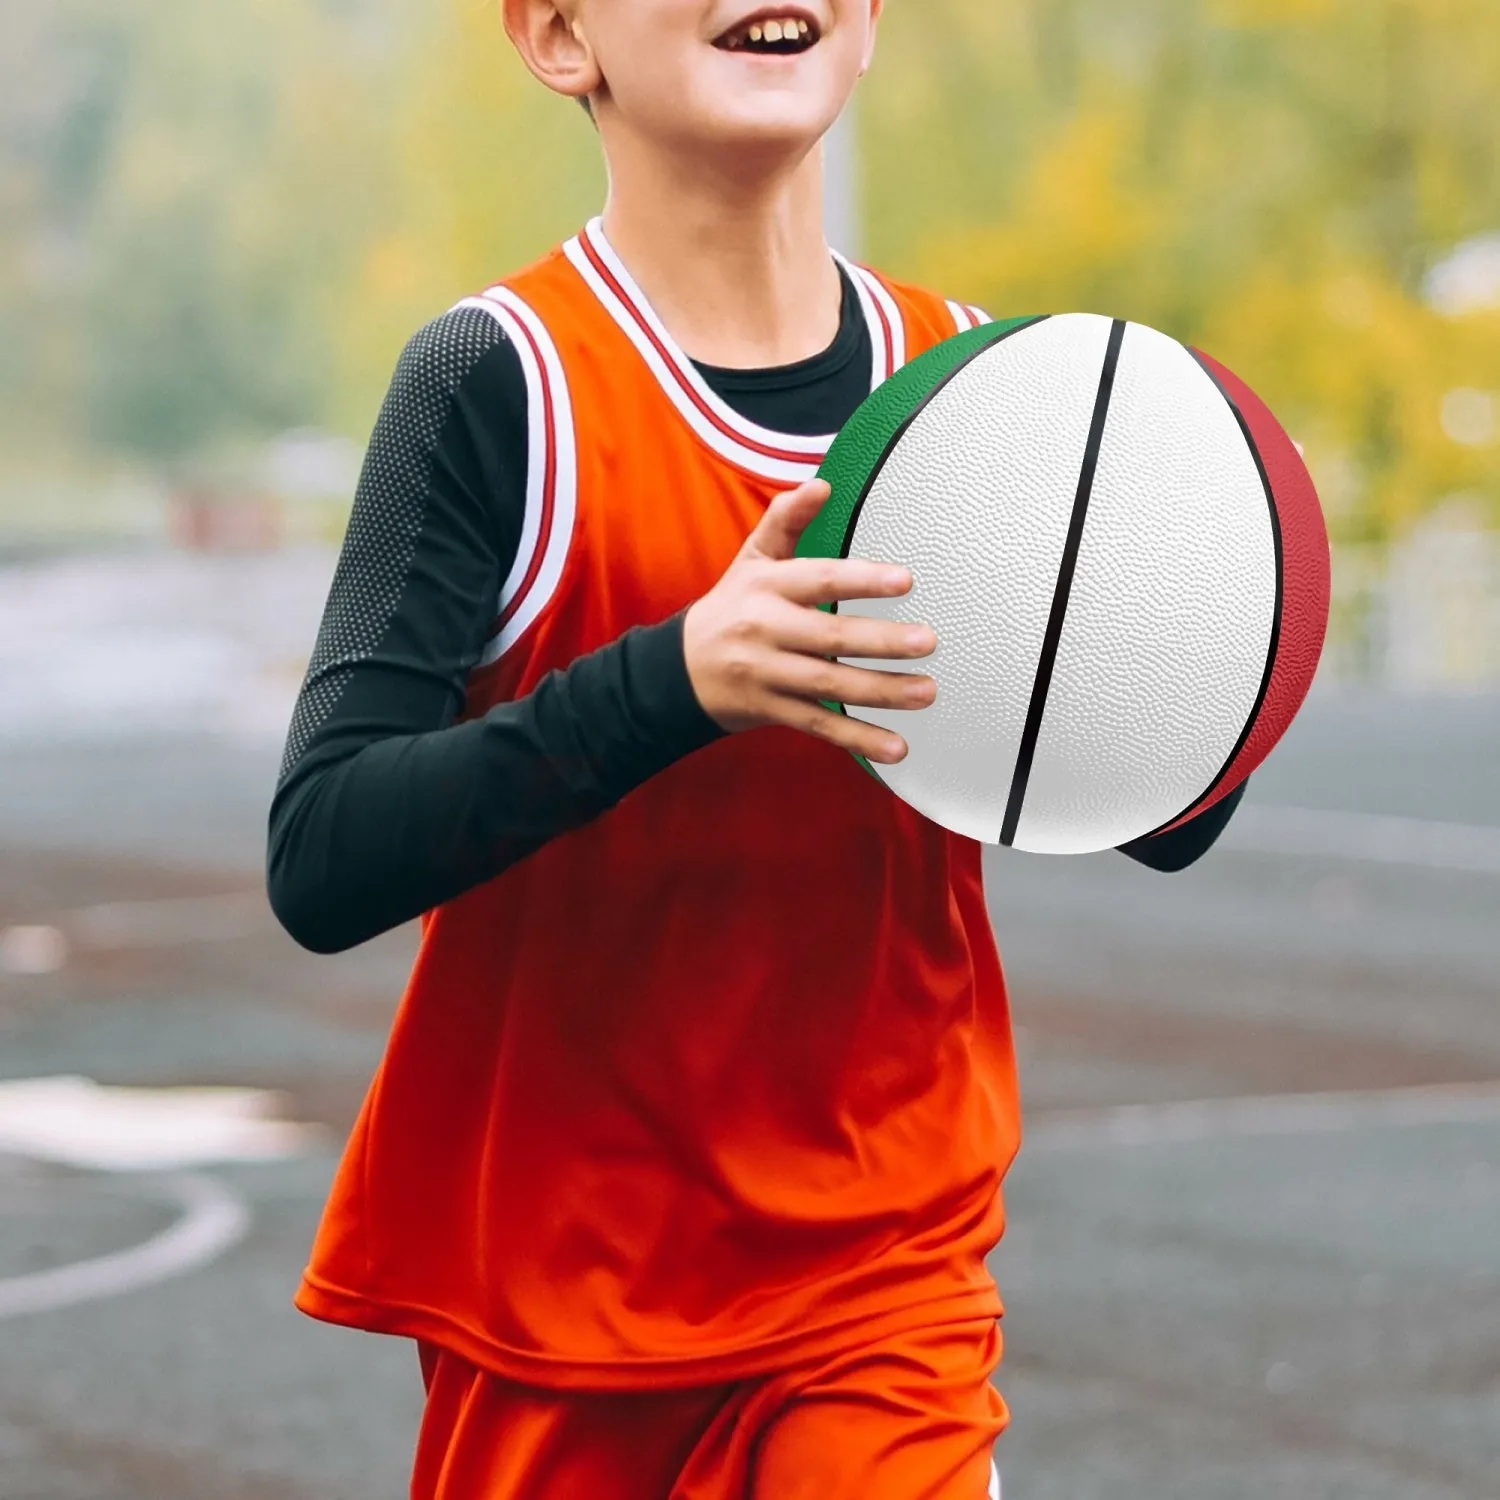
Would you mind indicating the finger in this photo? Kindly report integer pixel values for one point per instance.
(786, 518)
(819, 634)
(817, 680)
(829, 580)
(875, 744)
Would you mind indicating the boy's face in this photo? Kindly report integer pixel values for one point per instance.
(760, 76)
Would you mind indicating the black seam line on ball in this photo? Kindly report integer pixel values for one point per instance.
(1053, 637)
(1274, 645)
(901, 431)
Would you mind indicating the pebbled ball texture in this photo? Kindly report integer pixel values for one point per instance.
(1305, 581)
(1169, 619)
(975, 500)
(1188, 642)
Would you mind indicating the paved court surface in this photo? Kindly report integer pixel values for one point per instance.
(1218, 1287)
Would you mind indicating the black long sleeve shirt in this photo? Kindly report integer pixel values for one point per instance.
(385, 806)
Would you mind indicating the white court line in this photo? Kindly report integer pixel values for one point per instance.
(1376, 838)
(213, 1221)
(112, 1129)
(1267, 1115)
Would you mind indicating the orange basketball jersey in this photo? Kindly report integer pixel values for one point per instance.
(723, 1079)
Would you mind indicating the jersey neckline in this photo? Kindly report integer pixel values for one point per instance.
(783, 456)
(851, 342)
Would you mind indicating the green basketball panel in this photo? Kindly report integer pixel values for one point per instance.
(862, 443)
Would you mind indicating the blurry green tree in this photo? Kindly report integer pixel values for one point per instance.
(187, 188)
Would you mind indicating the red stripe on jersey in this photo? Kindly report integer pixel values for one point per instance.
(549, 486)
(885, 327)
(683, 384)
(963, 317)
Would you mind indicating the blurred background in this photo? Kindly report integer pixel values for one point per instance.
(1255, 1243)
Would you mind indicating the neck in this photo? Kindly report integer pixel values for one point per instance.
(736, 267)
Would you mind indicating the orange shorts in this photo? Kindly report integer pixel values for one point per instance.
(913, 1418)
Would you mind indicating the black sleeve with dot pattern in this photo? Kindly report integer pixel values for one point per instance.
(385, 807)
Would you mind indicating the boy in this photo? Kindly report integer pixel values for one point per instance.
(684, 1158)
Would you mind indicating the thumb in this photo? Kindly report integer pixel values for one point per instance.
(786, 518)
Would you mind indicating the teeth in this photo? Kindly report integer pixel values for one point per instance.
(791, 29)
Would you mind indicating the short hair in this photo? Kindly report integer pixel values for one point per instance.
(588, 105)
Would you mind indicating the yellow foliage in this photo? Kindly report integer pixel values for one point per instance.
(1267, 179)
(1271, 12)
(1074, 219)
(226, 220)
(491, 170)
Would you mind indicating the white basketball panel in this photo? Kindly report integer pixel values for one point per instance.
(1164, 645)
(975, 500)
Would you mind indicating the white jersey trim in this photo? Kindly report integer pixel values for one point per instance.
(887, 327)
(785, 457)
(966, 317)
(551, 472)
(963, 320)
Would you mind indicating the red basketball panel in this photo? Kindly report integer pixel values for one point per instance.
(1305, 583)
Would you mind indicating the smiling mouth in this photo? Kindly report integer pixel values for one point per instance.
(773, 36)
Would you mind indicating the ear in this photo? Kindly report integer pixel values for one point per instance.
(550, 39)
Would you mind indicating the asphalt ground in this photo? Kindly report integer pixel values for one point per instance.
(1255, 1229)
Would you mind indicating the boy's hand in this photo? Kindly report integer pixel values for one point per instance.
(757, 646)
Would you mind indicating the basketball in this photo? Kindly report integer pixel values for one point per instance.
(1125, 561)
